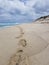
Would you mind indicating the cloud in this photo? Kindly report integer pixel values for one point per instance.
(22, 10)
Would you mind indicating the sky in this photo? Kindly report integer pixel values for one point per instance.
(20, 11)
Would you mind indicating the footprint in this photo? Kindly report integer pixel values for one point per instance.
(23, 42)
(18, 58)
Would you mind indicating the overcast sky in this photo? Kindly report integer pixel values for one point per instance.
(22, 10)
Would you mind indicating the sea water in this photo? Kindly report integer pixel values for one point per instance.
(7, 24)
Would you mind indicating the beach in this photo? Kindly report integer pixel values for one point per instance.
(37, 42)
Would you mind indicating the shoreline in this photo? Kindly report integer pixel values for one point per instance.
(8, 26)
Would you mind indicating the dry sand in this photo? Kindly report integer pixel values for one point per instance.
(31, 39)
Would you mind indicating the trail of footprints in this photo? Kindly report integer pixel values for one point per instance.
(21, 32)
(19, 58)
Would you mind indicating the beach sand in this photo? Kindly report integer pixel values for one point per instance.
(36, 43)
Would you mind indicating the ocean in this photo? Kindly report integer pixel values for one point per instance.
(7, 24)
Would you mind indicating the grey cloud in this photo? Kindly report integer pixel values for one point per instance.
(16, 10)
(1, 10)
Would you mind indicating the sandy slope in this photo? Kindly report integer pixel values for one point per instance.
(37, 41)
